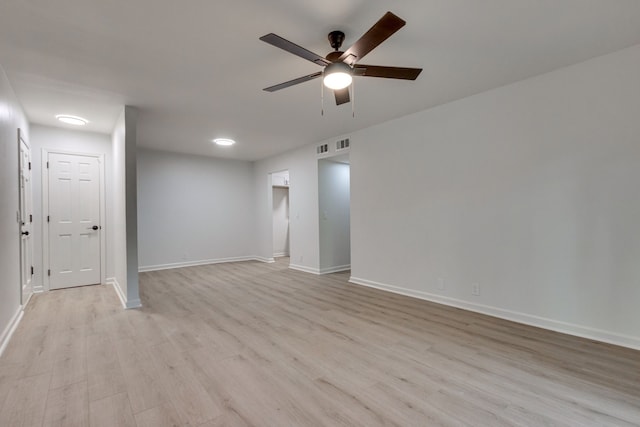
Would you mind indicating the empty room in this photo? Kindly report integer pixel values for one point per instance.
(313, 213)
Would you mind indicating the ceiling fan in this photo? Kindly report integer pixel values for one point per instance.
(340, 67)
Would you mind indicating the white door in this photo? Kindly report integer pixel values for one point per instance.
(26, 220)
(74, 220)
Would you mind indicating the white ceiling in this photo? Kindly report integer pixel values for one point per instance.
(196, 69)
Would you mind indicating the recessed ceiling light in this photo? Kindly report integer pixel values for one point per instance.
(72, 120)
(224, 141)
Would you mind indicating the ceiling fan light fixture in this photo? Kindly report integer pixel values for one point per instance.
(337, 76)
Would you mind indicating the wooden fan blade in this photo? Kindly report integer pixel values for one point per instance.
(293, 48)
(386, 72)
(293, 82)
(381, 30)
(342, 96)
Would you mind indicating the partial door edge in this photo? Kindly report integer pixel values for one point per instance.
(24, 299)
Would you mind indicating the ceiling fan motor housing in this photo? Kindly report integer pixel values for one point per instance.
(335, 39)
(334, 56)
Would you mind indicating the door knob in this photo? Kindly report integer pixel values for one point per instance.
(25, 233)
(94, 228)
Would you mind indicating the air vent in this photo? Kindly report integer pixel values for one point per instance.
(324, 148)
(343, 144)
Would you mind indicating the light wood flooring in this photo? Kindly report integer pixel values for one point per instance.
(258, 344)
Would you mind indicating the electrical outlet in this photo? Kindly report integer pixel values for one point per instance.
(440, 283)
(475, 289)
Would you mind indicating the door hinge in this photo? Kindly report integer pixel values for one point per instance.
(30, 218)
(48, 272)
(32, 270)
(47, 165)
(47, 218)
(29, 165)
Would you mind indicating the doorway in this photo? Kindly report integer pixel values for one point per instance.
(73, 205)
(334, 200)
(280, 198)
(26, 219)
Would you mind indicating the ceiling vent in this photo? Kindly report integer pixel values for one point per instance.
(322, 149)
(343, 144)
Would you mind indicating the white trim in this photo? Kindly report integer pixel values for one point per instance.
(304, 269)
(45, 211)
(136, 303)
(335, 269)
(10, 329)
(527, 319)
(28, 299)
(320, 271)
(116, 286)
(280, 254)
(169, 266)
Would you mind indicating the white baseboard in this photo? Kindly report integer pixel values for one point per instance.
(318, 271)
(169, 266)
(335, 269)
(10, 329)
(28, 300)
(116, 286)
(305, 269)
(134, 303)
(280, 254)
(123, 299)
(264, 259)
(527, 319)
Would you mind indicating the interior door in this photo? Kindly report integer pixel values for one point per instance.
(74, 220)
(26, 220)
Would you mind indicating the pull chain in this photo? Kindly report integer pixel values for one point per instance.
(353, 98)
(321, 98)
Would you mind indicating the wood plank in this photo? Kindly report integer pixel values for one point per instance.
(68, 406)
(104, 374)
(25, 403)
(181, 386)
(112, 411)
(164, 415)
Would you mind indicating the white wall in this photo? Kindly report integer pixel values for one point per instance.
(124, 208)
(12, 117)
(280, 221)
(530, 190)
(193, 209)
(334, 201)
(302, 165)
(50, 138)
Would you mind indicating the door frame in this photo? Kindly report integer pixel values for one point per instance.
(287, 253)
(270, 174)
(45, 211)
(21, 140)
